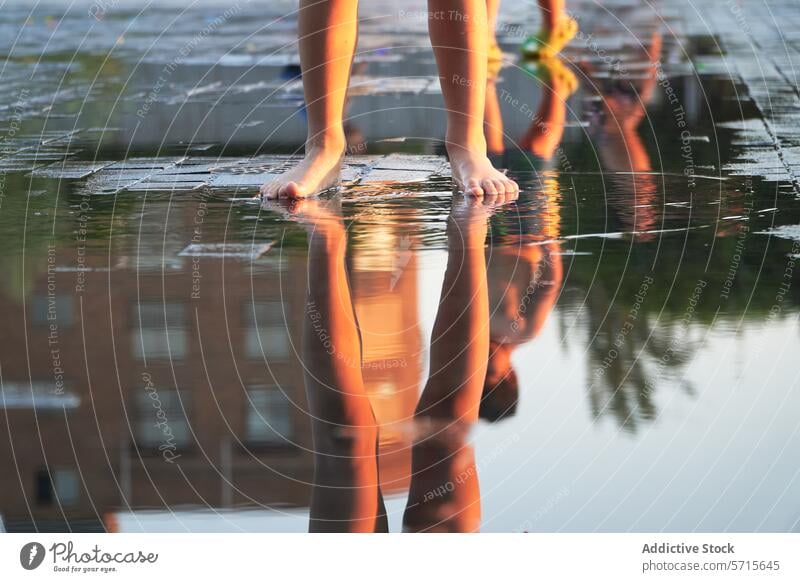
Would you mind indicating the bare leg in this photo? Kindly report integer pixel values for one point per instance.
(552, 12)
(492, 118)
(492, 8)
(459, 34)
(346, 494)
(327, 40)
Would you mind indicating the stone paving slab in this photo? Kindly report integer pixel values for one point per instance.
(762, 49)
(70, 170)
(395, 176)
(21, 165)
(435, 164)
(184, 174)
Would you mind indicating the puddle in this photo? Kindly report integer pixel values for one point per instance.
(642, 326)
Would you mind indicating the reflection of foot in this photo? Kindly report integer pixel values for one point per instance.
(554, 74)
(470, 208)
(469, 218)
(318, 171)
(549, 42)
(551, 216)
(474, 174)
(317, 216)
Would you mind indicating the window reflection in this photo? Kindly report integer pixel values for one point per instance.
(159, 331)
(268, 418)
(162, 419)
(265, 334)
(48, 310)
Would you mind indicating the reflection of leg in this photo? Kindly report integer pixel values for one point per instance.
(444, 495)
(346, 494)
(444, 491)
(552, 12)
(558, 84)
(558, 29)
(460, 339)
(459, 34)
(327, 39)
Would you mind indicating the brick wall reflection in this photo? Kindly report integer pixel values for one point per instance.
(152, 388)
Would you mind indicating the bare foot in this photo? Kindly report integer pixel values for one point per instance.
(318, 171)
(474, 174)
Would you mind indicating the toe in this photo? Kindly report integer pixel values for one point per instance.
(473, 188)
(293, 190)
(500, 186)
(489, 187)
(510, 186)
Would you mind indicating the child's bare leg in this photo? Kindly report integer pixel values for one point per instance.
(327, 40)
(552, 12)
(492, 8)
(459, 34)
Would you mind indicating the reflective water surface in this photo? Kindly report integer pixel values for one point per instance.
(615, 350)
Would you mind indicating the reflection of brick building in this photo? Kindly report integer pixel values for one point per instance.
(220, 370)
(385, 295)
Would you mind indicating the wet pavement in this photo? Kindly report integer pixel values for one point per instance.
(163, 332)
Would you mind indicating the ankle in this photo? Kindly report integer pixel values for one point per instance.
(461, 147)
(328, 144)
